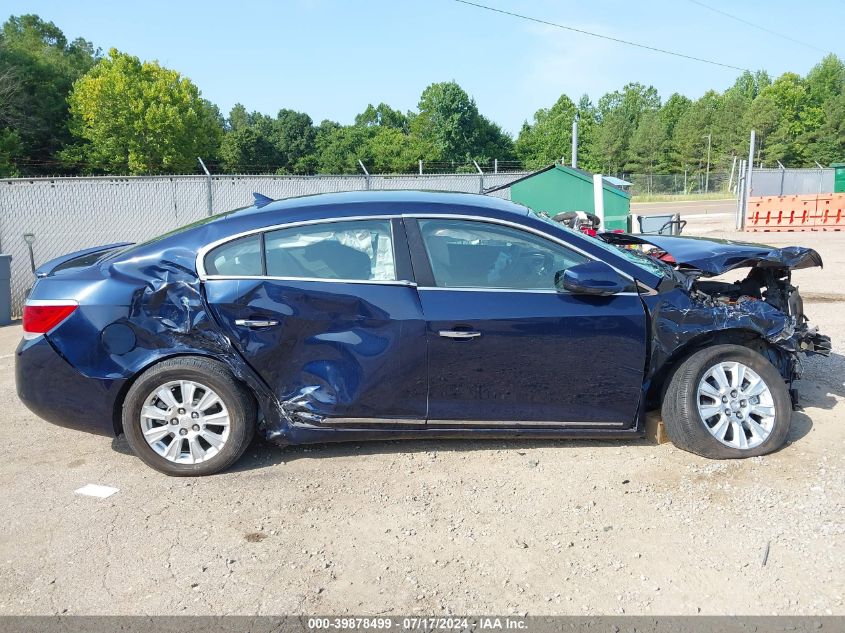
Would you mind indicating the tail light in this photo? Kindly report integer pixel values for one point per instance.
(40, 316)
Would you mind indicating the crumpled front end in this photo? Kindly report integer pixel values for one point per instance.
(763, 311)
(762, 306)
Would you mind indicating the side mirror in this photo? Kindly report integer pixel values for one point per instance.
(594, 278)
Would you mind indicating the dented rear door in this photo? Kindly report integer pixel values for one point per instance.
(339, 350)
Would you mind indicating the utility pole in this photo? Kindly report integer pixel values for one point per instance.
(709, 138)
(575, 141)
(733, 170)
(746, 190)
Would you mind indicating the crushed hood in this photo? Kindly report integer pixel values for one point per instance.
(714, 257)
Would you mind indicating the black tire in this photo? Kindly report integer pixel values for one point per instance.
(684, 423)
(237, 400)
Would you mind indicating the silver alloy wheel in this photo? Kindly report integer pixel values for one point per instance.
(185, 422)
(736, 405)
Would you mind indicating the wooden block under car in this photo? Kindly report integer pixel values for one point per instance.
(654, 428)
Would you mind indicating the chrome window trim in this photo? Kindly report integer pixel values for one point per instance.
(382, 282)
(202, 252)
(547, 291)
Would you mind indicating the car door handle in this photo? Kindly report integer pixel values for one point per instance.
(256, 323)
(459, 334)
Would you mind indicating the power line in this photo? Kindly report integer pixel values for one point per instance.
(600, 36)
(757, 26)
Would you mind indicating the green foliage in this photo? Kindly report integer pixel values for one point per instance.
(549, 138)
(689, 139)
(61, 101)
(245, 149)
(382, 115)
(619, 114)
(140, 117)
(647, 152)
(449, 127)
(340, 147)
(37, 69)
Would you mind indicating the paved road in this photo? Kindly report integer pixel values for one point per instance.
(685, 207)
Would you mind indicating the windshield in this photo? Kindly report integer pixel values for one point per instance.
(639, 258)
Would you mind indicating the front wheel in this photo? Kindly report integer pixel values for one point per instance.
(188, 417)
(727, 401)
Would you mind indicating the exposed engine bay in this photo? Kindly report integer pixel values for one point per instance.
(763, 309)
(772, 286)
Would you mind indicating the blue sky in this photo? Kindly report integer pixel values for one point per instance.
(330, 58)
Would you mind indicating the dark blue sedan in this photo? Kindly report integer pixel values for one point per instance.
(410, 314)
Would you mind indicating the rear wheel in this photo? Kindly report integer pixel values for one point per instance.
(727, 401)
(188, 416)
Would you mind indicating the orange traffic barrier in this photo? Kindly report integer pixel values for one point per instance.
(809, 212)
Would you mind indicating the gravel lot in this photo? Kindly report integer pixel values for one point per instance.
(434, 526)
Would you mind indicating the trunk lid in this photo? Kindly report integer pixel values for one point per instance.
(77, 260)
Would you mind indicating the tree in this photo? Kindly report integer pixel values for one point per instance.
(834, 128)
(647, 152)
(689, 137)
(549, 137)
(340, 147)
(672, 111)
(140, 117)
(238, 117)
(588, 157)
(389, 149)
(619, 114)
(383, 115)
(730, 134)
(40, 65)
(293, 137)
(825, 81)
(449, 127)
(245, 149)
(778, 114)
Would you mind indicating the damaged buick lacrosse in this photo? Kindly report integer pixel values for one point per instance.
(408, 314)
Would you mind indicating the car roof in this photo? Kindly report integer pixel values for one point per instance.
(325, 205)
(187, 242)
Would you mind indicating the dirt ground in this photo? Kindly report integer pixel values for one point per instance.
(552, 527)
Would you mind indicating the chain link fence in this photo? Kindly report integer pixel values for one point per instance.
(788, 182)
(679, 184)
(62, 215)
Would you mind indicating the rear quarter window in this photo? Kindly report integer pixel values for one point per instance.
(241, 258)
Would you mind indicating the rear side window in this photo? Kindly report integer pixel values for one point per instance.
(355, 250)
(239, 258)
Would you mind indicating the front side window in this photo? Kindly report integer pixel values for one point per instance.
(473, 254)
(355, 250)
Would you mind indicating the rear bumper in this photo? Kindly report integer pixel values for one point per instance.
(54, 390)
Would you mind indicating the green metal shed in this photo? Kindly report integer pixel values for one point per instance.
(558, 188)
(838, 177)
